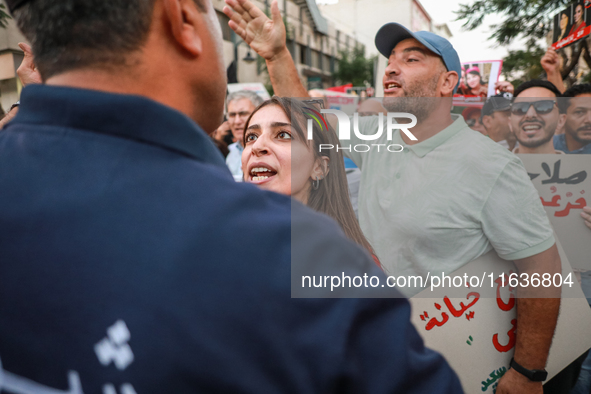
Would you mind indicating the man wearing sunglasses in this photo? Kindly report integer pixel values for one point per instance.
(535, 117)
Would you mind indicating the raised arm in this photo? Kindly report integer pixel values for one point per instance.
(267, 38)
(551, 64)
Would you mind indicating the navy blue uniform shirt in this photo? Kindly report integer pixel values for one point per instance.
(131, 262)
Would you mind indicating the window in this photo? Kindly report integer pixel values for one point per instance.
(315, 59)
(226, 31)
(326, 63)
(303, 53)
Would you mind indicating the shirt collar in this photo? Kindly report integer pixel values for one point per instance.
(422, 148)
(238, 146)
(126, 116)
(560, 144)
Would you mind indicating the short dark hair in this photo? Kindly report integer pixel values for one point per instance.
(537, 83)
(72, 34)
(571, 92)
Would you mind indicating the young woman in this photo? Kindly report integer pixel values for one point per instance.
(579, 21)
(278, 157)
(563, 27)
(475, 85)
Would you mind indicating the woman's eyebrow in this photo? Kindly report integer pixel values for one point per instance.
(280, 124)
(253, 126)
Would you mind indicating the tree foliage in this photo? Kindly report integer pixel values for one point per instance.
(521, 18)
(522, 65)
(354, 68)
(4, 16)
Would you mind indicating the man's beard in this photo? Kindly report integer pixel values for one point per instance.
(419, 99)
(536, 143)
(575, 136)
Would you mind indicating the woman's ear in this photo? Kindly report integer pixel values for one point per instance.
(321, 168)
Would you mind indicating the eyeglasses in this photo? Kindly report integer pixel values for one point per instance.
(542, 107)
(242, 114)
(471, 122)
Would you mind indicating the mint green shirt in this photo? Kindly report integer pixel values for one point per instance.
(445, 201)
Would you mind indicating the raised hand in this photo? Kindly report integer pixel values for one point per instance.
(265, 36)
(504, 87)
(550, 61)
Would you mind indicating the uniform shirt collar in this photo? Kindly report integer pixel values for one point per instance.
(120, 115)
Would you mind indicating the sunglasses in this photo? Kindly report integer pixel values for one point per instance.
(471, 122)
(542, 107)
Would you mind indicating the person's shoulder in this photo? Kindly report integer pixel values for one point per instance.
(480, 151)
(233, 148)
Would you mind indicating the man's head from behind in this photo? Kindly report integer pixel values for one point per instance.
(495, 117)
(575, 107)
(534, 113)
(240, 105)
(155, 43)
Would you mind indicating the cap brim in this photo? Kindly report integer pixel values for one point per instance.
(392, 33)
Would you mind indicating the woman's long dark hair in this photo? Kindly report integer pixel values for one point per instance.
(332, 195)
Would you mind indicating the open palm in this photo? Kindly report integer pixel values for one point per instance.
(265, 36)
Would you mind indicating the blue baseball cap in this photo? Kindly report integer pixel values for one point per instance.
(391, 34)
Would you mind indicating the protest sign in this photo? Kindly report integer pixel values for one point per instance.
(571, 24)
(564, 185)
(477, 333)
(256, 87)
(477, 82)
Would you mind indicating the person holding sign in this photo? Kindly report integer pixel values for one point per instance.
(424, 209)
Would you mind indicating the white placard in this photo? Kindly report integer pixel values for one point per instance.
(476, 333)
(564, 185)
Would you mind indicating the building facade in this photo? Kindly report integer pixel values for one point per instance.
(314, 43)
(363, 22)
(313, 40)
(11, 57)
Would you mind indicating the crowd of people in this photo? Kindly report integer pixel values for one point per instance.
(134, 257)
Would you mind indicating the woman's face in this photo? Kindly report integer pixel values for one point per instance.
(578, 14)
(473, 80)
(563, 21)
(270, 153)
